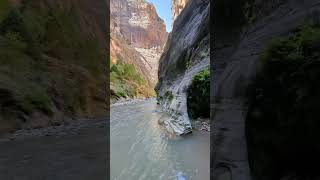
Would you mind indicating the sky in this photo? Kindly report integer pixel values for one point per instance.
(163, 8)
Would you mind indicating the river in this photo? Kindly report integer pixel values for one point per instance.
(140, 149)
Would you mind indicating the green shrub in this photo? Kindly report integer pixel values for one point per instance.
(125, 79)
(198, 95)
(73, 97)
(283, 116)
(38, 99)
(121, 93)
(159, 99)
(90, 57)
(168, 95)
(13, 22)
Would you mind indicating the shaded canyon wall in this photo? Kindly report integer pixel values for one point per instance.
(186, 53)
(239, 39)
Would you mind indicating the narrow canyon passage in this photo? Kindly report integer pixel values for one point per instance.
(142, 149)
(148, 62)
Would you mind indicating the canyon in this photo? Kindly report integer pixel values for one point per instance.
(152, 145)
(53, 98)
(137, 37)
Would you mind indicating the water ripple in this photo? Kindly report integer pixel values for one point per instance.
(142, 150)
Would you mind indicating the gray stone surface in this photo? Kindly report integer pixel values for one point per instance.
(186, 53)
(234, 65)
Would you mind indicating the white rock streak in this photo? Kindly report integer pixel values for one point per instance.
(179, 123)
(142, 19)
(151, 60)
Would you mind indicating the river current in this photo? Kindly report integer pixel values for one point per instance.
(142, 150)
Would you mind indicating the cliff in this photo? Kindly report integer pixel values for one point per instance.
(176, 7)
(138, 36)
(248, 140)
(139, 23)
(51, 62)
(185, 55)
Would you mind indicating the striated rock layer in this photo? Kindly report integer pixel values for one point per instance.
(239, 39)
(138, 35)
(186, 53)
(177, 7)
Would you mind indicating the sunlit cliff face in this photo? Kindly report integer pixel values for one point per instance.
(138, 36)
(138, 22)
(177, 7)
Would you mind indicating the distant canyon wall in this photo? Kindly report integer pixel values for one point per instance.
(138, 35)
(176, 7)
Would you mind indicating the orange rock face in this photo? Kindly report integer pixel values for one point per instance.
(138, 35)
(138, 23)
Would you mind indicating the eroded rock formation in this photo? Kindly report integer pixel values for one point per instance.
(186, 53)
(239, 39)
(177, 7)
(138, 35)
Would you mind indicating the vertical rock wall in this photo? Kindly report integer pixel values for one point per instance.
(239, 39)
(177, 7)
(186, 53)
(138, 35)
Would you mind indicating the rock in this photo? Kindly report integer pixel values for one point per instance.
(138, 36)
(177, 7)
(180, 176)
(186, 53)
(138, 22)
(237, 49)
(29, 102)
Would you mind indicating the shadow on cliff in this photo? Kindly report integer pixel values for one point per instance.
(264, 113)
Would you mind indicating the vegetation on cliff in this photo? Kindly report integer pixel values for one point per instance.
(137, 38)
(198, 95)
(47, 63)
(126, 82)
(284, 100)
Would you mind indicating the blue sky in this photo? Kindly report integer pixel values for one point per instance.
(164, 10)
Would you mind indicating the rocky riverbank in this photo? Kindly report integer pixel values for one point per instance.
(201, 125)
(75, 151)
(126, 101)
(68, 128)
